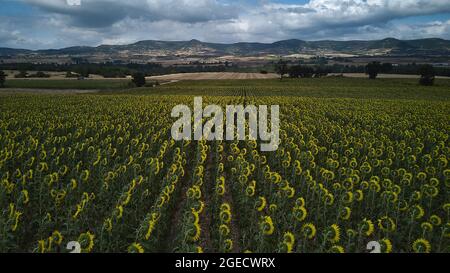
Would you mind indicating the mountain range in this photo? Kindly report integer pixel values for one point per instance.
(151, 48)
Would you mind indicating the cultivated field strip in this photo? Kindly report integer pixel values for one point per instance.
(214, 76)
(387, 89)
(104, 171)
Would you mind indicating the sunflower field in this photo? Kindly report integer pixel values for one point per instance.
(103, 170)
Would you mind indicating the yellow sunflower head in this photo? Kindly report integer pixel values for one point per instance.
(309, 231)
(447, 230)
(345, 213)
(261, 203)
(86, 241)
(435, 220)
(289, 238)
(367, 227)
(199, 249)
(57, 237)
(427, 227)
(386, 245)
(135, 248)
(417, 212)
(334, 233)
(421, 246)
(300, 213)
(267, 226)
(337, 249)
(228, 245)
(225, 216)
(387, 224)
(224, 230)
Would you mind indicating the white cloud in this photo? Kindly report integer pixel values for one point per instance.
(408, 31)
(319, 14)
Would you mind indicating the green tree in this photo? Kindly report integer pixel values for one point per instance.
(83, 71)
(2, 79)
(70, 75)
(372, 69)
(300, 71)
(427, 75)
(386, 67)
(321, 71)
(39, 74)
(138, 79)
(281, 68)
(22, 74)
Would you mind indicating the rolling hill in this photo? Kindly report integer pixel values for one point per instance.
(388, 47)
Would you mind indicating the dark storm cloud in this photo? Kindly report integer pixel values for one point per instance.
(94, 22)
(104, 13)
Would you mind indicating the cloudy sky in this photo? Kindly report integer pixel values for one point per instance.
(38, 24)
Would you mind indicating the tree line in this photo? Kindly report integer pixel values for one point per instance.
(112, 70)
(426, 71)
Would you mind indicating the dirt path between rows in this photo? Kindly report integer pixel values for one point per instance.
(206, 216)
(177, 213)
(234, 225)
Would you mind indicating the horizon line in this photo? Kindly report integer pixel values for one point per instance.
(223, 43)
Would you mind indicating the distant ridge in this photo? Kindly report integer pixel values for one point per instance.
(388, 46)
